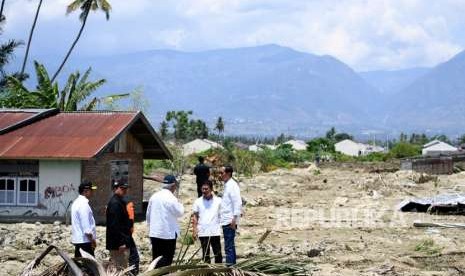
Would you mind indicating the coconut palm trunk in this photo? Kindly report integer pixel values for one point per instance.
(1, 9)
(84, 20)
(30, 37)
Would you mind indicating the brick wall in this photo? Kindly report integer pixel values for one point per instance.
(99, 171)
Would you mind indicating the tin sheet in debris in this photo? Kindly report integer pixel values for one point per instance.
(456, 201)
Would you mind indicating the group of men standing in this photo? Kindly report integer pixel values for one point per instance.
(211, 216)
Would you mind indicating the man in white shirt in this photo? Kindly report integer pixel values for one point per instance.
(162, 213)
(230, 210)
(83, 228)
(206, 222)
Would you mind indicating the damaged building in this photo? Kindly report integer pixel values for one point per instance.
(44, 155)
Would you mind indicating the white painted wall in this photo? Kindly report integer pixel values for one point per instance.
(297, 144)
(58, 186)
(348, 147)
(198, 146)
(438, 148)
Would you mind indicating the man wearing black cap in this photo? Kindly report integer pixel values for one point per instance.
(162, 213)
(119, 238)
(82, 221)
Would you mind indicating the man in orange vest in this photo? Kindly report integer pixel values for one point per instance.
(133, 253)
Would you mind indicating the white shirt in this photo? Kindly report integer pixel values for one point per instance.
(231, 204)
(162, 213)
(82, 221)
(208, 224)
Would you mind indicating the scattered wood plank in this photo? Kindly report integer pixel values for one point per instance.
(264, 236)
(435, 224)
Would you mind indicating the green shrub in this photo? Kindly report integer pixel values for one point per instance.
(402, 150)
(244, 161)
(320, 144)
(428, 247)
(151, 165)
(374, 157)
(340, 157)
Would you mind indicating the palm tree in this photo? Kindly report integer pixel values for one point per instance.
(45, 95)
(6, 53)
(77, 90)
(30, 37)
(164, 129)
(219, 126)
(1, 10)
(73, 97)
(86, 6)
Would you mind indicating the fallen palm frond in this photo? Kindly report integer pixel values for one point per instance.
(88, 265)
(251, 267)
(68, 261)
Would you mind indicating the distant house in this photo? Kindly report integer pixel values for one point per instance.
(198, 146)
(44, 155)
(260, 147)
(297, 144)
(254, 148)
(241, 146)
(437, 147)
(351, 148)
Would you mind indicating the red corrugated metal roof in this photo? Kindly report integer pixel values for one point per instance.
(9, 118)
(65, 136)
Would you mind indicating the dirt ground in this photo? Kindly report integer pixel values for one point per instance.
(337, 220)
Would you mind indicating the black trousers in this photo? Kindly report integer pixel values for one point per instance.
(215, 243)
(134, 259)
(164, 248)
(199, 190)
(84, 246)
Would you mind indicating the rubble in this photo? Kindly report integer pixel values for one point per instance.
(345, 218)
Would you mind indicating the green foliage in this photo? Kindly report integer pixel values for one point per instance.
(402, 150)
(163, 129)
(74, 96)
(151, 165)
(85, 6)
(219, 126)
(342, 136)
(244, 162)
(340, 157)
(184, 127)
(272, 159)
(374, 157)
(403, 137)
(188, 239)
(442, 138)
(418, 139)
(198, 129)
(320, 145)
(461, 139)
(330, 134)
(428, 247)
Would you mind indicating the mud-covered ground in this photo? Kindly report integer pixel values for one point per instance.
(337, 220)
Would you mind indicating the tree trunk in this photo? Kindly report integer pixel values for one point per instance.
(72, 47)
(1, 9)
(30, 38)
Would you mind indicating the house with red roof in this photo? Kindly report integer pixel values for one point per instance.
(45, 154)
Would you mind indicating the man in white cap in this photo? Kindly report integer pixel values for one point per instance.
(162, 213)
(83, 229)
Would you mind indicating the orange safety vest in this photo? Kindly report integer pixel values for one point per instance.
(130, 209)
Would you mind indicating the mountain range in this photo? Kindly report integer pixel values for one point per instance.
(272, 89)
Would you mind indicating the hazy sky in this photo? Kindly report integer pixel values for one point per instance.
(366, 34)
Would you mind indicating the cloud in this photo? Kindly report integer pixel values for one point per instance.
(381, 34)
